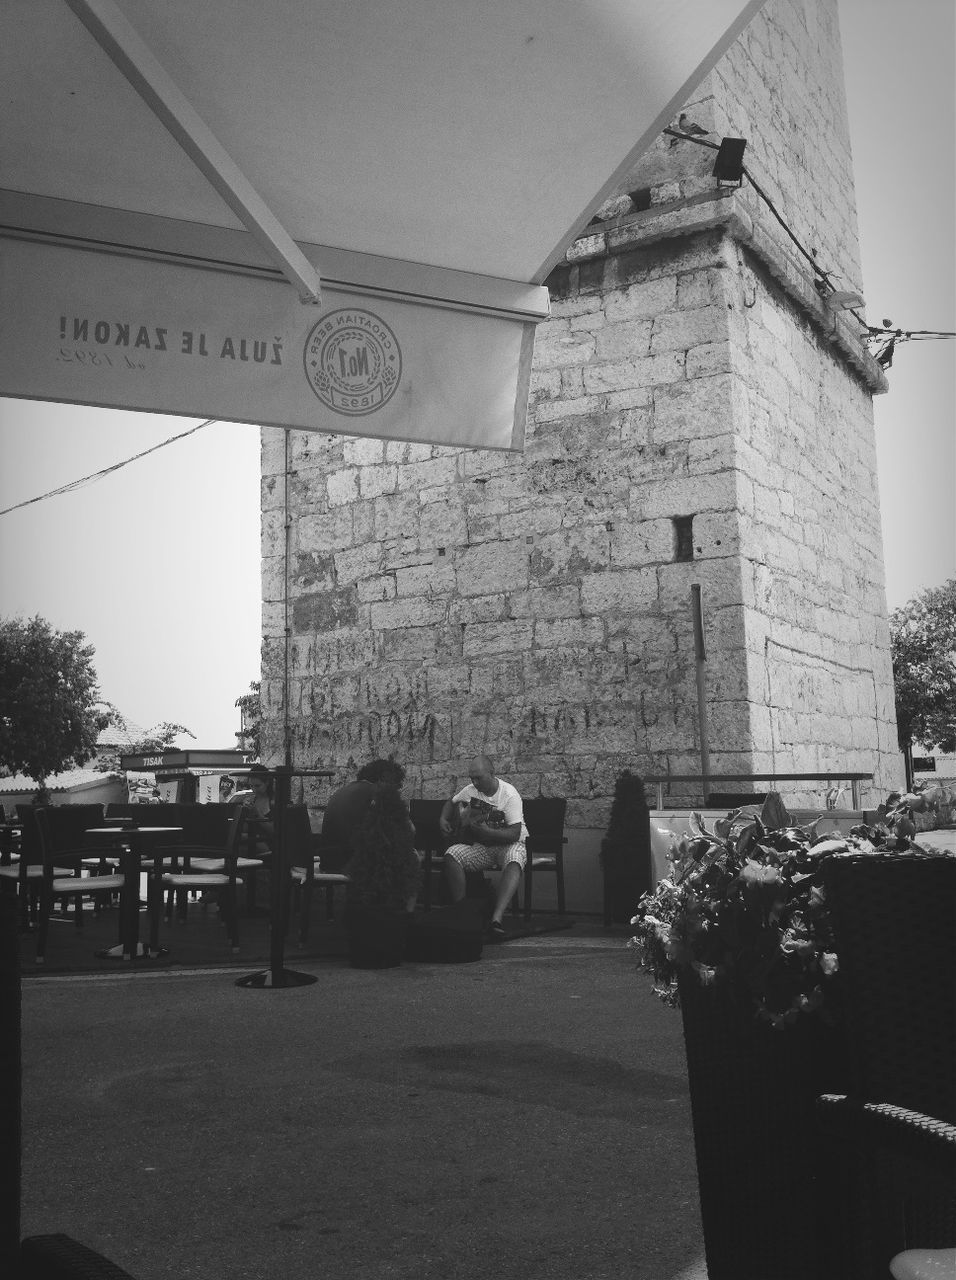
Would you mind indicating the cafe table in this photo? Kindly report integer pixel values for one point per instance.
(133, 845)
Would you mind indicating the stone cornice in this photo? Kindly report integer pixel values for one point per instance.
(724, 210)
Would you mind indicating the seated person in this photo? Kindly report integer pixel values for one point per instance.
(384, 870)
(257, 803)
(349, 804)
(486, 821)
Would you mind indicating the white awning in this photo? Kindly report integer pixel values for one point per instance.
(179, 177)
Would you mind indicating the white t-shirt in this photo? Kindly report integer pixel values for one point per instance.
(506, 798)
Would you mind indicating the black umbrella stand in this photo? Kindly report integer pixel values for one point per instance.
(277, 977)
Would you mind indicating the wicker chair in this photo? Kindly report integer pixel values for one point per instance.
(890, 1143)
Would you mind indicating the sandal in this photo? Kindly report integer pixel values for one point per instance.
(496, 931)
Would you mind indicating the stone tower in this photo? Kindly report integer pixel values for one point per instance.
(698, 416)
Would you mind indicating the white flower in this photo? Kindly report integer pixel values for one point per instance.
(755, 873)
(705, 973)
(829, 962)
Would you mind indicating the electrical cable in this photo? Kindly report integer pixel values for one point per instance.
(98, 475)
(824, 278)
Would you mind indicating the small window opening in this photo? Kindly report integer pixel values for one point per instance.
(641, 199)
(683, 537)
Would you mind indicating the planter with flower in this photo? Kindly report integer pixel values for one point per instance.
(739, 937)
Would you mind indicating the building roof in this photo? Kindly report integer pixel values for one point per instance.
(69, 780)
(115, 736)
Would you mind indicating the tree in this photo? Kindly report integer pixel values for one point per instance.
(923, 643)
(50, 706)
(248, 737)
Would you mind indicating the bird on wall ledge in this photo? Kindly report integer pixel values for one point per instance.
(688, 126)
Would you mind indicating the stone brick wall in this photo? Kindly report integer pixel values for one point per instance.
(696, 417)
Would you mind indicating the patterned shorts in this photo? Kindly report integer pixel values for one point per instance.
(485, 857)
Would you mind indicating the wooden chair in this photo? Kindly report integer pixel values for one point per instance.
(889, 1143)
(544, 817)
(70, 872)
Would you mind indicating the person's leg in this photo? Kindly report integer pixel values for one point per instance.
(454, 875)
(513, 862)
(508, 883)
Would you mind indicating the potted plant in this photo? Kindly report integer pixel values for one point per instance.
(626, 850)
(739, 937)
(384, 875)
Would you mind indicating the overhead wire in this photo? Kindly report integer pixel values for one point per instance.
(106, 471)
(824, 279)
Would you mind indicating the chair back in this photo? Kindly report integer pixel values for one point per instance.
(207, 825)
(544, 818)
(50, 852)
(895, 924)
(31, 851)
(300, 842)
(67, 824)
(428, 834)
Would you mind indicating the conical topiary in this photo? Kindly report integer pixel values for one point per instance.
(626, 850)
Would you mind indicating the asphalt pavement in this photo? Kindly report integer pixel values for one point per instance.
(525, 1116)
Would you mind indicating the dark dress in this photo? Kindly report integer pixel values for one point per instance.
(344, 813)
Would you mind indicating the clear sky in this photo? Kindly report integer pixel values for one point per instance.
(159, 563)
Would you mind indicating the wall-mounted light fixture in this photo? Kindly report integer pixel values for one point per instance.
(729, 164)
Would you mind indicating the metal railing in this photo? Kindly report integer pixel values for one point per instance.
(662, 780)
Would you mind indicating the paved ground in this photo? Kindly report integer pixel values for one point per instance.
(525, 1116)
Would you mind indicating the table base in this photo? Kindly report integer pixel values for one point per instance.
(269, 980)
(143, 952)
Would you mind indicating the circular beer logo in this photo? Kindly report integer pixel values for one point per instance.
(353, 361)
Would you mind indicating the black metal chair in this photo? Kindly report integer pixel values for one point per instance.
(544, 817)
(219, 873)
(312, 861)
(429, 841)
(889, 1143)
(72, 868)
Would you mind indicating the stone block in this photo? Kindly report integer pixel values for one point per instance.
(701, 288)
(563, 556)
(363, 452)
(397, 515)
(487, 638)
(562, 632)
(382, 586)
(710, 357)
(355, 563)
(693, 409)
(652, 371)
(374, 481)
(555, 346)
(680, 330)
(626, 340)
(440, 473)
(317, 611)
(425, 579)
(441, 524)
(342, 487)
(493, 608)
(492, 567)
(547, 602)
(642, 301)
(416, 611)
(618, 591)
(409, 644)
(558, 410)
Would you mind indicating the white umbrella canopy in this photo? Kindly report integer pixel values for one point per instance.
(429, 161)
